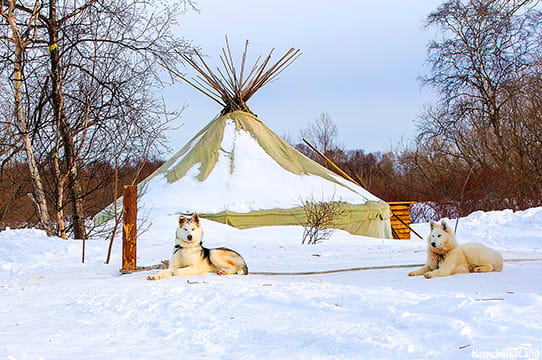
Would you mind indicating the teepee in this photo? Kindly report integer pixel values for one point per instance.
(238, 172)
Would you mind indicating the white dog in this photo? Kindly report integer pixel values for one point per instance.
(445, 257)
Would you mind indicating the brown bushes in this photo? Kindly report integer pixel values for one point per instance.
(442, 186)
(98, 182)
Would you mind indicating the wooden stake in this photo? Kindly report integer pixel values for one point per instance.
(129, 229)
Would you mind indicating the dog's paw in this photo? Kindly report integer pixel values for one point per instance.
(153, 277)
(412, 273)
(221, 272)
(428, 275)
(481, 269)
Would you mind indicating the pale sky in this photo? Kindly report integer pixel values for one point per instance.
(360, 63)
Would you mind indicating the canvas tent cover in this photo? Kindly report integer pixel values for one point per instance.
(238, 172)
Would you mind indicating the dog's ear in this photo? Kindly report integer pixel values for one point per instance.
(195, 218)
(445, 225)
(432, 224)
(182, 220)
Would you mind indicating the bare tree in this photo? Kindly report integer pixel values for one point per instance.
(322, 133)
(320, 216)
(95, 81)
(23, 35)
(489, 51)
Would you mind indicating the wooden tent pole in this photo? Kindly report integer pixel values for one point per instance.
(335, 166)
(129, 229)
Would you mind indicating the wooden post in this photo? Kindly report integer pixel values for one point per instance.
(129, 229)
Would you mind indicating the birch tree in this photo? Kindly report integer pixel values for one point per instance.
(23, 34)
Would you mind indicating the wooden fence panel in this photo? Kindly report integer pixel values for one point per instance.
(402, 210)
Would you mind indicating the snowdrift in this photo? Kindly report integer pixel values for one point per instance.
(54, 307)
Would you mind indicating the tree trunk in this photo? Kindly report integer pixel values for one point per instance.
(70, 156)
(61, 180)
(39, 193)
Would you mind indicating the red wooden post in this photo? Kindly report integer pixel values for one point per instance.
(129, 229)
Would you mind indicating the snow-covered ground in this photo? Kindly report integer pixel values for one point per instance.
(54, 307)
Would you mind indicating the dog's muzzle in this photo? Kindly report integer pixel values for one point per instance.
(433, 244)
(189, 237)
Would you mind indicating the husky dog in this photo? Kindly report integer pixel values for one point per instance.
(445, 257)
(191, 258)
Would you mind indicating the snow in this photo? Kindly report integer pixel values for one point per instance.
(256, 175)
(54, 307)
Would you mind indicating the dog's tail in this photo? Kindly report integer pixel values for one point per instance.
(243, 270)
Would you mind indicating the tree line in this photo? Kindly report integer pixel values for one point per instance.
(81, 112)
